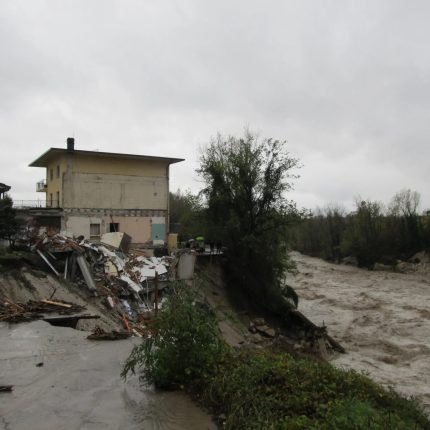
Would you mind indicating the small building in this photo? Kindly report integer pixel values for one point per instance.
(95, 192)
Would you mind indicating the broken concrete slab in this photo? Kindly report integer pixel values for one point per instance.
(86, 273)
(117, 240)
(185, 270)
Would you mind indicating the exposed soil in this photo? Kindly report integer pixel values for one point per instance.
(21, 285)
(381, 318)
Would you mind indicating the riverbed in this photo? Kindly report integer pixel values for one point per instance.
(381, 318)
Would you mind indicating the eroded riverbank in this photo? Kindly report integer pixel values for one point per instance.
(381, 318)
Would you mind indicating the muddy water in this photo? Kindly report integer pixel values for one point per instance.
(79, 387)
(381, 318)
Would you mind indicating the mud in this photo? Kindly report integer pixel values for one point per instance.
(381, 318)
(78, 385)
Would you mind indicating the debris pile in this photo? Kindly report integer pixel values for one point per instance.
(20, 312)
(130, 285)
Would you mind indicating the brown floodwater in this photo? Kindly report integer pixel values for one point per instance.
(381, 318)
(78, 385)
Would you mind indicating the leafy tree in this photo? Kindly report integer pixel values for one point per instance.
(364, 235)
(8, 222)
(186, 215)
(246, 180)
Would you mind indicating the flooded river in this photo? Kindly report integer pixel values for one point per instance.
(64, 381)
(381, 318)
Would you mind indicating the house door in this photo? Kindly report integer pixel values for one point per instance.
(158, 229)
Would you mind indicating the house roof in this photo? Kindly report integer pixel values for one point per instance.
(51, 153)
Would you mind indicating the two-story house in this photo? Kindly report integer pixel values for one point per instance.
(99, 192)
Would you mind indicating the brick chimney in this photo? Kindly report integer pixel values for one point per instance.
(70, 144)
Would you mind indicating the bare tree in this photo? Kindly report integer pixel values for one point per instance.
(405, 202)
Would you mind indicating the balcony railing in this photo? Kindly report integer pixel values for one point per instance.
(23, 204)
(41, 186)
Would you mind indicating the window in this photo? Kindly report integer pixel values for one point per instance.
(113, 227)
(95, 230)
(51, 174)
(58, 199)
(50, 199)
(58, 171)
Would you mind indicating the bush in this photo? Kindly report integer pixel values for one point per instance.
(268, 391)
(185, 347)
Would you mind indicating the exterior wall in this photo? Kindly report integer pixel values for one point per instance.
(139, 227)
(56, 184)
(80, 163)
(80, 225)
(92, 191)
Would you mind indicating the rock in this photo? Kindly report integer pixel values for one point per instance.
(350, 260)
(222, 418)
(420, 257)
(256, 338)
(259, 322)
(382, 267)
(266, 331)
(252, 328)
(404, 267)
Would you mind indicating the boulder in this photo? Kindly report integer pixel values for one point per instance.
(259, 322)
(267, 331)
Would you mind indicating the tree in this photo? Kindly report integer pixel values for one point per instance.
(363, 238)
(8, 223)
(246, 180)
(186, 215)
(404, 206)
(405, 202)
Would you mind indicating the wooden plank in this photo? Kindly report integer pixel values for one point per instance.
(50, 302)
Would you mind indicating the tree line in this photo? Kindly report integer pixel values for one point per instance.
(371, 233)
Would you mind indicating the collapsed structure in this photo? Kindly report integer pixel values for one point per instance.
(90, 193)
(130, 285)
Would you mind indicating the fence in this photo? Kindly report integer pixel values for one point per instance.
(23, 204)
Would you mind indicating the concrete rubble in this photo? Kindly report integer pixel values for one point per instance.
(129, 285)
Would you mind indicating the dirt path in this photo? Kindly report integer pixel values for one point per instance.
(381, 318)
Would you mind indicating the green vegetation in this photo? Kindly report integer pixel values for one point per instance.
(187, 215)
(261, 390)
(185, 345)
(8, 223)
(245, 185)
(371, 233)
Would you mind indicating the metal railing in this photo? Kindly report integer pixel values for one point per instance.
(41, 186)
(23, 204)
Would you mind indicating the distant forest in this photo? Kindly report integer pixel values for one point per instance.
(371, 233)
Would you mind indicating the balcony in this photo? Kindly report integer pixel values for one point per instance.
(41, 186)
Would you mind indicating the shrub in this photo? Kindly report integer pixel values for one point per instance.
(268, 391)
(185, 347)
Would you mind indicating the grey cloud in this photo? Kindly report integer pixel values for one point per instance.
(345, 82)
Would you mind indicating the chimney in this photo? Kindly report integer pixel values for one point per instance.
(70, 144)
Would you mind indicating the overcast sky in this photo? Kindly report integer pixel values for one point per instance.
(345, 83)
